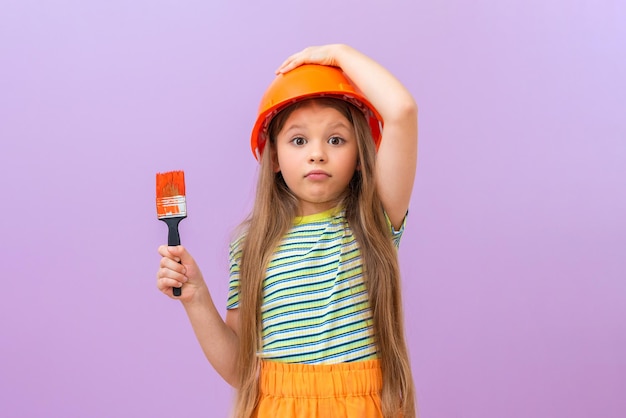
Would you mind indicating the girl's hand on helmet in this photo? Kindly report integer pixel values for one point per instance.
(177, 268)
(324, 55)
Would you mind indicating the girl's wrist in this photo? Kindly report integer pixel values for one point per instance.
(200, 298)
(340, 53)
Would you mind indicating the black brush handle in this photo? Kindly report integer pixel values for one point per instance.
(173, 239)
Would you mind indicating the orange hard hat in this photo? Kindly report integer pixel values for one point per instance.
(305, 82)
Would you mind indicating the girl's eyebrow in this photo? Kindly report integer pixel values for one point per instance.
(292, 128)
(340, 124)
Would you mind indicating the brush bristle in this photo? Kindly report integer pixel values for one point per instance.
(171, 183)
(170, 194)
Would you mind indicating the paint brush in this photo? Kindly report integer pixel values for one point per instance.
(171, 206)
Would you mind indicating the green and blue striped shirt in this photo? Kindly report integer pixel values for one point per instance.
(315, 306)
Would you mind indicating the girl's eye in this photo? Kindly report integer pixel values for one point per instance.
(298, 141)
(335, 140)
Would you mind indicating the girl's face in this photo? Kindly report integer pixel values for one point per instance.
(316, 152)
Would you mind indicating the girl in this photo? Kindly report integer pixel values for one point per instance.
(314, 326)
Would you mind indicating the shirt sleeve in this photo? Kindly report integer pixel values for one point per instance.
(234, 256)
(396, 235)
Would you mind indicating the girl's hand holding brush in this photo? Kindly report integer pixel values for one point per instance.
(177, 267)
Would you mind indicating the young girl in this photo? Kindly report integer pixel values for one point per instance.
(314, 325)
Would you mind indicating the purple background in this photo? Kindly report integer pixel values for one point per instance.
(514, 259)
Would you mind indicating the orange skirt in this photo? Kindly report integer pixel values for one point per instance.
(343, 390)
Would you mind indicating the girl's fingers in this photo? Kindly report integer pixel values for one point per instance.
(165, 284)
(171, 264)
(171, 274)
(165, 273)
(311, 55)
(288, 65)
(165, 252)
(166, 281)
(306, 56)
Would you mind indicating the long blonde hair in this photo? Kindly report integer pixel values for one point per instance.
(274, 210)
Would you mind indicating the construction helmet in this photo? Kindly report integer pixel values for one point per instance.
(305, 82)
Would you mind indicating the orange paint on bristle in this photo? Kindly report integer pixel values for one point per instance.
(170, 194)
(170, 184)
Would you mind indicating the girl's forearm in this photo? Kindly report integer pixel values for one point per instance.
(382, 88)
(219, 342)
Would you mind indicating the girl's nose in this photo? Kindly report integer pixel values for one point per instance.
(317, 153)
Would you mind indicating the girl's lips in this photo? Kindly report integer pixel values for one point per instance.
(317, 175)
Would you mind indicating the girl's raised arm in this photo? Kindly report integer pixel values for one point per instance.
(397, 155)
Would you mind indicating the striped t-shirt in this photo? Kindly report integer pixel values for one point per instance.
(315, 307)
